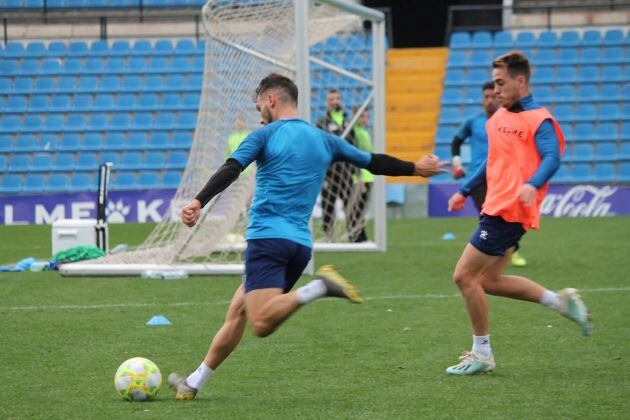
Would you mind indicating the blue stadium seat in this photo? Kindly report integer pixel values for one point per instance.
(591, 38)
(604, 172)
(126, 102)
(609, 112)
(182, 140)
(115, 65)
(154, 160)
(57, 183)
(568, 56)
(25, 143)
(186, 121)
(34, 183)
(174, 82)
(198, 65)
(137, 65)
(624, 152)
(503, 39)
(9, 68)
(94, 66)
(35, 50)
(141, 48)
(142, 121)
(38, 103)
(561, 175)
(78, 49)
(543, 75)
(544, 95)
(99, 49)
(57, 49)
(525, 40)
(20, 163)
(164, 121)
(50, 68)
(148, 180)
(124, 181)
(158, 141)
(625, 131)
(623, 173)
(548, 39)
(132, 84)
(611, 93)
(47, 142)
(99, 122)
(564, 93)
(546, 58)
(588, 74)
(148, 102)
(591, 56)
(82, 103)
(582, 153)
(176, 160)
(120, 48)
(45, 84)
(479, 58)
(114, 141)
(569, 39)
(587, 93)
(585, 112)
(191, 101)
(460, 40)
(14, 50)
(5, 86)
(70, 142)
(163, 47)
(613, 37)
(180, 65)
(11, 184)
(16, 104)
(109, 84)
(86, 162)
(120, 122)
(76, 123)
(607, 132)
(450, 115)
(29, 67)
(153, 83)
(136, 141)
(41, 163)
(81, 182)
(64, 162)
(92, 142)
(563, 113)
(581, 172)
(612, 74)
(131, 161)
(6, 145)
(60, 103)
(194, 82)
(88, 84)
(73, 66)
(606, 152)
(23, 85)
(66, 84)
(171, 101)
(613, 55)
(566, 75)
(104, 103)
(110, 157)
(33, 123)
(9, 124)
(3, 164)
(184, 47)
(158, 65)
(625, 112)
(171, 179)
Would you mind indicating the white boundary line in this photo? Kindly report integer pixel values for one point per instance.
(225, 302)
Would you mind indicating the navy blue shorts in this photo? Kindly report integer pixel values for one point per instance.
(494, 236)
(274, 263)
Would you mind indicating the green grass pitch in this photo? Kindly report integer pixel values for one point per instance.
(61, 339)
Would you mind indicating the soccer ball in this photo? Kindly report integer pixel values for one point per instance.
(138, 379)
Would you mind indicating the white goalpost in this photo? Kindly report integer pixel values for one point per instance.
(321, 45)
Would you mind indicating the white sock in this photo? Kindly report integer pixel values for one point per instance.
(315, 289)
(481, 345)
(199, 377)
(552, 300)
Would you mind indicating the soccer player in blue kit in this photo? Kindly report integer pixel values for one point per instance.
(292, 157)
(474, 129)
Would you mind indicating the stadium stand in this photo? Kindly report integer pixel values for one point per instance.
(584, 78)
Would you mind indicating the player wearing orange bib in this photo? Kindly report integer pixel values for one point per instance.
(524, 147)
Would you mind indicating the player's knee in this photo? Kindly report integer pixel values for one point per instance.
(262, 328)
(462, 278)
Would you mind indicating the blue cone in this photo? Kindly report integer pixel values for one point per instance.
(159, 320)
(448, 236)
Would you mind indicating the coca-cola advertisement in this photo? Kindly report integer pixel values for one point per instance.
(581, 200)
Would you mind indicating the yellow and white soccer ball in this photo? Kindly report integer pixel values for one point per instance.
(138, 379)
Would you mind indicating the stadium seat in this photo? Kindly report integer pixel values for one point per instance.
(70, 142)
(22, 85)
(194, 82)
(25, 143)
(148, 180)
(561, 175)
(120, 122)
(174, 82)
(6, 145)
(566, 75)
(503, 40)
(184, 47)
(164, 121)
(563, 113)
(545, 58)
(479, 58)
(613, 55)
(154, 160)
(5, 86)
(623, 174)
(41, 162)
(606, 152)
(92, 142)
(604, 172)
(171, 101)
(613, 37)
(191, 101)
(624, 152)
(114, 141)
(607, 132)
(57, 49)
(60, 103)
(35, 50)
(120, 48)
(171, 179)
(73, 66)
(543, 75)
(76, 123)
(591, 56)
(126, 102)
(454, 78)
(88, 84)
(94, 66)
(142, 121)
(78, 49)
(460, 40)
(66, 84)
(163, 47)
(181, 140)
(450, 115)
(582, 153)
(186, 121)
(141, 48)
(585, 112)
(81, 182)
(136, 141)
(611, 93)
(11, 184)
(19, 163)
(99, 49)
(29, 67)
(38, 104)
(63, 162)
(34, 183)
(3, 164)
(15, 104)
(153, 83)
(109, 157)
(132, 84)
(124, 181)
(588, 74)
(612, 74)
(176, 160)
(33, 123)
(137, 65)
(591, 38)
(569, 39)
(131, 161)
(14, 50)
(148, 102)
(547, 39)
(115, 65)
(481, 39)
(609, 112)
(158, 141)
(57, 183)
(581, 172)
(86, 162)
(525, 40)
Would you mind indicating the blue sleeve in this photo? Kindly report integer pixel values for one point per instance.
(474, 181)
(250, 148)
(342, 150)
(465, 129)
(549, 149)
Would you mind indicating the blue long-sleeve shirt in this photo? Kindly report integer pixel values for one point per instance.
(546, 143)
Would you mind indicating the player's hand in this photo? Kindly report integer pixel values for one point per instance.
(190, 213)
(430, 165)
(456, 202)
(458, 170)
(527, 195)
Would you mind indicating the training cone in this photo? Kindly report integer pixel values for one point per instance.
(158, 320)
(448, 237)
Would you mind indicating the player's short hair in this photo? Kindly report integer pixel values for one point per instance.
(515, 62)
(332, 90)
(287, 90)
(487, 85)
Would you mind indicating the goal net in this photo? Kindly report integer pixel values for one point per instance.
(245, 41)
